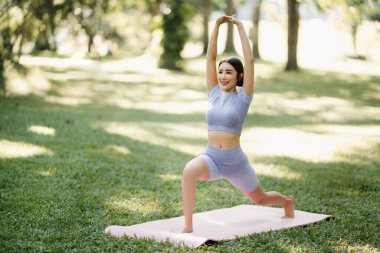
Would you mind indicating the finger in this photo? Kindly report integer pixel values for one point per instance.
(232, 17)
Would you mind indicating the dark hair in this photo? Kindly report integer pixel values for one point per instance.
(238, 66)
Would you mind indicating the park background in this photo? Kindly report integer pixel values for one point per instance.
(103, 104)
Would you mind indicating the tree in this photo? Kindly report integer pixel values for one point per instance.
(255, 29)
(175, 33)
(47, 15)
(14, 23)
(293, 23)
(89, 15)
(354, 11)
(231, 10)
(206, 11)
(373, 10)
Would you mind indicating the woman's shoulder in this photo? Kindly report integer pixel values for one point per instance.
(213, 89)
(242, 94)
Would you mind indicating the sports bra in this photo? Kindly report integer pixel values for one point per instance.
(227, 110)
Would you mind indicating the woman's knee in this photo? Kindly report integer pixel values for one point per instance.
(188, 172)
(258, 196)
(194, 170)
(259, 200)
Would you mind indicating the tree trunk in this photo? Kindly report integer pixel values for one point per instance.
(27, 17)
(2, 74)
(52, 42)
(230, 30)
(354, 29)
(255, 29)
(90, 43)
(206, 15)
(293, 23)
(42, 42)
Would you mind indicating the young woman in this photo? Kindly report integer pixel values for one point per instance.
(223, 157)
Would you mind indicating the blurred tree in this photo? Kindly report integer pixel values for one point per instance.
(255, 28)
(48, 15)
(14, 21)
(354, 11)
(89, 14)
(205, 7)
(293, 23)
(130, 25)
(153, 6)
(5, 43)
(230, 10)
(373, 10)
(45, 13)
(175, 33)
(206, 11)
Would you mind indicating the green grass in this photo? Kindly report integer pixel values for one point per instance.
(95, 150)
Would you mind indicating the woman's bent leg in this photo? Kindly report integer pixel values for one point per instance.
(272, 198)
(195, 169)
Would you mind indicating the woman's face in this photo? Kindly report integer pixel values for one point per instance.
(227, 77)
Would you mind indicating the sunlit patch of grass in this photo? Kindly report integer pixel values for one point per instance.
(46, 173)
(42, 130)
(120, 149)
(276, 171)
(318, 143)
(138, 205)
(169, 177)
(12, 149)
(72, 101)
(344, 245)
(33, 82)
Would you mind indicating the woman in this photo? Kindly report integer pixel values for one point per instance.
(223, 157)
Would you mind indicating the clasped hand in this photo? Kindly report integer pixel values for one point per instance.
(225, 19)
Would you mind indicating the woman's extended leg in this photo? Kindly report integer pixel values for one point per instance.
(272, 198)
(195, 169)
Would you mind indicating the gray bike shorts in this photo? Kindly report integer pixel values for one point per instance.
(231, 164)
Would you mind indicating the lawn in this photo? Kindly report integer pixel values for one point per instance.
(102, 143)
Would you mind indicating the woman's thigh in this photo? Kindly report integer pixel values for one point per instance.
(197, 168)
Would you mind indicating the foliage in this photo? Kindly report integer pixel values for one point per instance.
(13, 21)
(176, 14)
(373, 10)
(354, 11)
(27, 21)
(89, 14)
(35, 22)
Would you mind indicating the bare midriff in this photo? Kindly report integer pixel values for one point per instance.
(220, 139)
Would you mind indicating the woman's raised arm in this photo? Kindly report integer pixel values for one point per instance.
(248, 82)
(212, 50)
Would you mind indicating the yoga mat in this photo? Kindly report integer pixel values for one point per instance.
(217, 225)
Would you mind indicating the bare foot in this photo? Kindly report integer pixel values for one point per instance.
(289, 208)
(187, 230)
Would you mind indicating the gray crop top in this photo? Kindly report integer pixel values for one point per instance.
(227, 110)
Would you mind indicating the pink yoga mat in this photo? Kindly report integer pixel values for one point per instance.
(217, 225)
